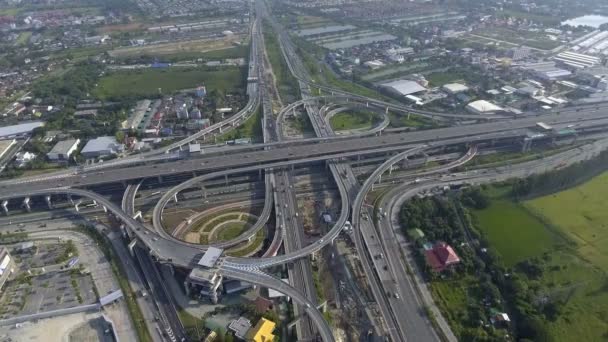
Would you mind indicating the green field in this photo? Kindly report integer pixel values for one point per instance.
(438, 79)
(565, 233)
(353, 120)
(249, 247)
(580, 213)
(514, 233)
(144, 83)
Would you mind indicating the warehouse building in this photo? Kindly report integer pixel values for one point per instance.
(101, 147)
(577, 60)
(63, 150)
(404, 87)
(454, 88)
(483, 107)
(21, 130)
(6, 266)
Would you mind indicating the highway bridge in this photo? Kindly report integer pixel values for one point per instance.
(275, 157)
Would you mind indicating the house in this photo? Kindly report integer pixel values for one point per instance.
(240, 327)
(262, 332)
(262, 304)
(500, 319)
(441, 256)
(415, 234)
(63, 150)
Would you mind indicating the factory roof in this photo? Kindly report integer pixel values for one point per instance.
(454, 88)
(20, 129)
(63, 147)
(100, 144)
(404, 87)
(483, 106)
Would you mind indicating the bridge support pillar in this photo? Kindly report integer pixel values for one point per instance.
(47, 198)
(187, 287)
(26, 204)
(390, 170)
(94, 203)
(386, 111)
(367, 104)
(175, 198)
(105, 209)
(5, 207)
(131, 245)
(203, 192)
(226, 179)
(77, 205)
(160, 179)
(426, 158)
(71, 199)
(220, 129)
(137, 215)
(260, 174)
(526, 145)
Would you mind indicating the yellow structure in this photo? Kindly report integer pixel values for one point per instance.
(262, 332)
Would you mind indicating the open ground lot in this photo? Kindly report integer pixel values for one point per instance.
(565, 234)
(199, 46)
(147, 82)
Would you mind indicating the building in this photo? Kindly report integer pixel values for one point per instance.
(375, 64)
(240, 327)
(63, 150)
(21, 130)
(182, 111)
(101, 147)
(518, 53)
(454, 88)
(546, 71)
(262, 332)
(483, 107)
(575, 60)
(5, 146)
(441, 257)
(201, 91)
(404, 87)
(23, 158)
(262, 304)
(415, 234)
(6, 266)
(86, 113)
(196, 114)
(207, 282)
(137, 115)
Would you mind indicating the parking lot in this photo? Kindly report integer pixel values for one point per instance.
(47, 292)
(43, 254)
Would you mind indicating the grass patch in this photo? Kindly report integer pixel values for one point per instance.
(354, 120)
(287, 84)
(257, 242)
(23, 38)
(580, 213)
(146, 82)
(231, 230)
(410, 120)
(194, 326)
(251, 128)
(514, 233)
(438, 79)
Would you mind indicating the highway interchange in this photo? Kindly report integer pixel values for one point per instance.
(276, 158)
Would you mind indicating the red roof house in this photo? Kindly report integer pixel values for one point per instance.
(441, 256)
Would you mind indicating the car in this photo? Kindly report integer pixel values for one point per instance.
(397, 295)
